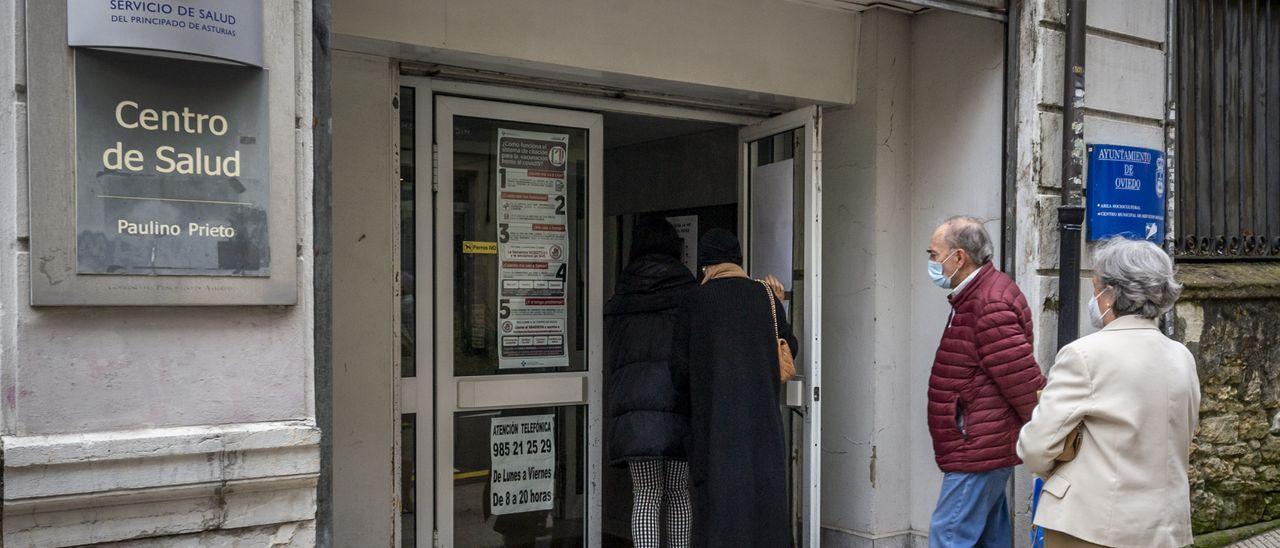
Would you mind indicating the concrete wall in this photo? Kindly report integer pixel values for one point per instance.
(365, 347)
(957, 131)
(760, 46)
(675, 173)
(156, 422)
(922, 143)
(1124, 104)
(866, 190)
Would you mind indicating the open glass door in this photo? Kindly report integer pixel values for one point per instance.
(781, 215)
(517, 344)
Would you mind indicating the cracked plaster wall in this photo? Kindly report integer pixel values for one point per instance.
(922, 142)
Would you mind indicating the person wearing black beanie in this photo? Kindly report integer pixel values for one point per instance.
(719, 246)
(726, 371)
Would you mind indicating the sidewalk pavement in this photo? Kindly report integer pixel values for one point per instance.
(1270, 539)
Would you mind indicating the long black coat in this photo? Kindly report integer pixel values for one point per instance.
(639, 321)
(725, 367)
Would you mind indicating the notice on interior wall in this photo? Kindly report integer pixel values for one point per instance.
(522, 455)
(533, 249)
(687, 228)
(772, 206)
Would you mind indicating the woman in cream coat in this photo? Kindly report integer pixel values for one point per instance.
(1135, 395)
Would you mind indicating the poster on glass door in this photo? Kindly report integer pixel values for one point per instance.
(533, 249)
(522, 456)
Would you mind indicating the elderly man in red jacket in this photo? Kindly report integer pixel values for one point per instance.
(981, 390)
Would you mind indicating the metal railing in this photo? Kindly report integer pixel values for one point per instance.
(1227, 205)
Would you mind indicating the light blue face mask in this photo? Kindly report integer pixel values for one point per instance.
(1096, 316)
(936, 273)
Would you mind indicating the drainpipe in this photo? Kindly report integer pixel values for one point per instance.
(1170, 142)
(1071, 212)
(322, 241)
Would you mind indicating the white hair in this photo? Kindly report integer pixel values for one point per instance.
(967, 233)
(1139, 273)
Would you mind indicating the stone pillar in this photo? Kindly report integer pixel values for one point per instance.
(865, 435)
(1124, 104)
(159, 425)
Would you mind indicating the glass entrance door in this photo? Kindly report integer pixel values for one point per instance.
(781, 218)
(517, 331)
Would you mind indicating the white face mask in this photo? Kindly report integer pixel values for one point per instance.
(937, 274)
(1095, 315)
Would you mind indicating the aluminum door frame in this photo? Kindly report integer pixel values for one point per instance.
(446, 392)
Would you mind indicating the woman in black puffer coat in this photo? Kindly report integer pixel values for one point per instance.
(647, 431)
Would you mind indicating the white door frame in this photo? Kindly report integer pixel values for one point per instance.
(810, 120)
(419, 393)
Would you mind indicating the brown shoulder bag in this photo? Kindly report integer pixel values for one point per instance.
(786, 362)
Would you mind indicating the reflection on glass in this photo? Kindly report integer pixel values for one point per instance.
(408, 479)
(408, 146)
(538, 220)
(787, 145)
(519, 477)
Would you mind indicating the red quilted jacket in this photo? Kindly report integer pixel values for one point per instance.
(985, 377)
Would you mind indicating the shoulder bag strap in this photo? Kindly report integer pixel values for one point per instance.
(773, 308)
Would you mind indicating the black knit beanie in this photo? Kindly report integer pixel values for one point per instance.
(719, 246)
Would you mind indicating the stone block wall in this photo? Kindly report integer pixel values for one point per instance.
(152, 426)
(1124, 104)
(1229, 317)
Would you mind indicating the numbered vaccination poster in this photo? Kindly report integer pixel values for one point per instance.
(522, 452)
(533, 249)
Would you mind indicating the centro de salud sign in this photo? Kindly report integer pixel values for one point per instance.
(229, 30)
(171, 167)
(169, 195)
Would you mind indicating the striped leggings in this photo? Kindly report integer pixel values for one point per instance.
(661, 489)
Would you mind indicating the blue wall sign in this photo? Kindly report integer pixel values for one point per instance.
(1126, 193)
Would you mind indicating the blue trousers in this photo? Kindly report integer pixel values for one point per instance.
(972, 511)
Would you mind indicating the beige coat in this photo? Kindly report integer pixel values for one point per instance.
(1137, 393)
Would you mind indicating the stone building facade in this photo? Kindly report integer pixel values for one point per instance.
(189, 426)
(1229, 308)
(214, 426)
(1228, 317)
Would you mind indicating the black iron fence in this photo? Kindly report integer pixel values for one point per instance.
(1228, 141)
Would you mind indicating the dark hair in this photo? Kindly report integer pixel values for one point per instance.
(653, 235)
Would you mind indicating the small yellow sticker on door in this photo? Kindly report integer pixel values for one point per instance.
(480, 248)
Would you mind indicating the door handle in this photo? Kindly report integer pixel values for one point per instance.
(794, 392)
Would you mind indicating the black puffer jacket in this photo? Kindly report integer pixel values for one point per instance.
(638, 323)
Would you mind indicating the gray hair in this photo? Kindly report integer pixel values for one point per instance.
(967, 233)
(1141, 275)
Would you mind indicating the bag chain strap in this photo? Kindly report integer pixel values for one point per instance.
(773, 309)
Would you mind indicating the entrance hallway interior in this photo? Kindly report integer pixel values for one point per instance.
(672, 168)
(441, 292)
(919, 139)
